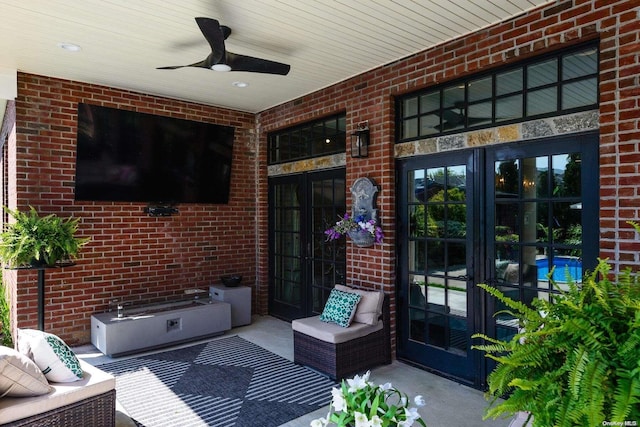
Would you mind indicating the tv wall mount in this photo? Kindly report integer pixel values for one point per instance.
(160, 210)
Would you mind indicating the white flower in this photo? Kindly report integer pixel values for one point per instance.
(419, 400)
(320, 422)
(386, 386)
(375, 421)
(411, 414)
(338, 403)
(358, 382)
(361, 419)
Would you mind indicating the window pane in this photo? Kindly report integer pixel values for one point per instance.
(410, 107)
(543, 73)
(579, 94)
(410, 128)
(480, 89)
(430, 102)
(453, 97)
(480, 114)
(509, 108)
(542, 101)
(508, 82)
(580, 64)
(429, 124)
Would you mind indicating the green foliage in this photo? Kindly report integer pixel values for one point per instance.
(35, 240)
(576, 362)
(5, 325)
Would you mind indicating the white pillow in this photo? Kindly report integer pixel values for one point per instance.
(369, 308)
(19, 375)
(51, 354)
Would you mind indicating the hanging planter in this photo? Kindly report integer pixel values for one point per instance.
(362, 226)
(361, 238)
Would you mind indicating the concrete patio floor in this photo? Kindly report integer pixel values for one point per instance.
(448, 404)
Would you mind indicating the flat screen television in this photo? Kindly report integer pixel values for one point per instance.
(129, 156)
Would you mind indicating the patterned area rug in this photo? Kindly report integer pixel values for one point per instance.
(225, 382)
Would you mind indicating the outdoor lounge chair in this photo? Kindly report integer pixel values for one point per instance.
(337, 351)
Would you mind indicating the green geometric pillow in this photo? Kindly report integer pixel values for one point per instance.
(52, 355)
(340, 308)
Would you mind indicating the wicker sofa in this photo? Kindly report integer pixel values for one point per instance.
(339, 352)
(89, 402)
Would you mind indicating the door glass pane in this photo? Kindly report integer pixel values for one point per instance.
(417, 325)
(457, 259)
(457, 303)
(435, 293)
(506, 179)
(416, 255)
(415, 186)
(458, 336)
(568, 166)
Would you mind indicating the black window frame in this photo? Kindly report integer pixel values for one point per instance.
(299, 142)
(462, 108)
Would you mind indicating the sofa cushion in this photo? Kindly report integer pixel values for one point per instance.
(369, 308)
(93, 383)
(20, 376)
(51, 354)
(340, 308)
(332, 333)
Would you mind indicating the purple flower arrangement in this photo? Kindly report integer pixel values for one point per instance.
(358, 224)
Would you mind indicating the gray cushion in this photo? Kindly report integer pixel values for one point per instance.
(330, 332)
(369, 308)
(20, 376)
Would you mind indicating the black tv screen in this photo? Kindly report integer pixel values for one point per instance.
(128, 156)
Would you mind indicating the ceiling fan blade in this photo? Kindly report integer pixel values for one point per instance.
(215, 36)
(452, 117)
(255, 65)
(201, 64)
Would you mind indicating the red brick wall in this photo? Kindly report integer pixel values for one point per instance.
(175, 252)
(131, 255)
(560, 24)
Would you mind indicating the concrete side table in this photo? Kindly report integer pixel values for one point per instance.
(240, 299)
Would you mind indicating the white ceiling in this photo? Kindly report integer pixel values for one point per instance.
(324, 41)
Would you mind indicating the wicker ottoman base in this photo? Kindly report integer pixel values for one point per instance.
(95, 411)
(341, 360)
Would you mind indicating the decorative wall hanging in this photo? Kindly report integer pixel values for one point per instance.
(362, 225)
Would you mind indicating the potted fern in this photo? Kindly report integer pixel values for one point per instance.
(576, 360)
(39, 241)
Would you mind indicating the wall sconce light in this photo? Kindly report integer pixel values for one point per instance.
(360, 141)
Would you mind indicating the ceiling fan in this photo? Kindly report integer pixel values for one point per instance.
(221, 59)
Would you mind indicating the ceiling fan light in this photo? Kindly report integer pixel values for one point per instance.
(221, 67)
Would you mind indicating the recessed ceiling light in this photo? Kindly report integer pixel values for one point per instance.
(69, 47)
(220, 67)
(240, 84)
